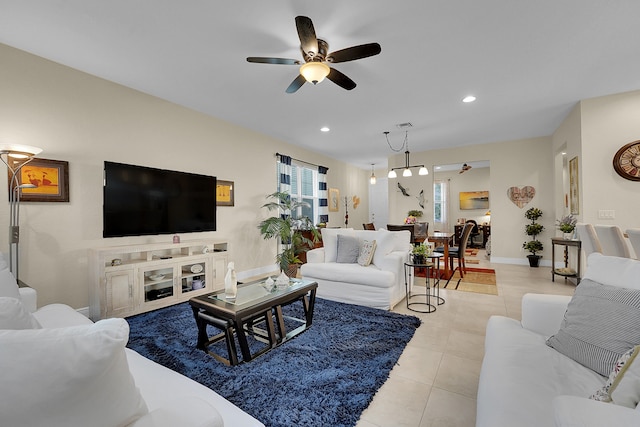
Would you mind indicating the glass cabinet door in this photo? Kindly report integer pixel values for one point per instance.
(158, 283)
(194, 276)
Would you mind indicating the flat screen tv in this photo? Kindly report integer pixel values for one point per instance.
(142, 201)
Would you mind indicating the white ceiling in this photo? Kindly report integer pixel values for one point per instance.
(528, 63)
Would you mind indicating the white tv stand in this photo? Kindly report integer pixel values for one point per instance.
(150, 276)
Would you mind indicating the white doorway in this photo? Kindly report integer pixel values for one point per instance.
(379, 203)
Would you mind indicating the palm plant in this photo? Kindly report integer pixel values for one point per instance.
(287, 230)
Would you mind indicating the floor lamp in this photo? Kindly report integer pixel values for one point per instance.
(15, 157)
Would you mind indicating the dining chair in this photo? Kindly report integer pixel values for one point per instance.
(475, 232)
(634, 239)
(458, 253)
(421, 231)
(589, 238)
(369, 226)
(612, 241)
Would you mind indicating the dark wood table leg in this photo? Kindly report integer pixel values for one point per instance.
(282, 330)
(202, 330)
(309, 303)
(242, 340)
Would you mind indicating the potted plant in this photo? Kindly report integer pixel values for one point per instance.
(288, 231)
(420, 253)
(412, 216)
(567, 224)
(533, 229)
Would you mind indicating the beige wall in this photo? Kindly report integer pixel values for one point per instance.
(86, 120)
(513, 163)
(608, 123)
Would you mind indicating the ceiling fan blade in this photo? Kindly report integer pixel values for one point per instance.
(341, 80)
(355, 52)
(307, 35)
(283, 61)
(296, 84)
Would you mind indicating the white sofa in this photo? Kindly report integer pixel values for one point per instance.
(525, 382)
(381, 284)
(61, 369)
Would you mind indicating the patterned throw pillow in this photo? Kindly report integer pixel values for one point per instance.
(599, 326)
(623, 385)
(367, 248)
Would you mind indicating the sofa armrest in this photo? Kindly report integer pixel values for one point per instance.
(573, 411)
(315, 255)
(185, 411)
(29, 298)
(543, 314)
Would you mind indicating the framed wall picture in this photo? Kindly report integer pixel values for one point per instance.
(474, 200)
(224, 193)
(574, 191)
(51, 180)
(334, 200)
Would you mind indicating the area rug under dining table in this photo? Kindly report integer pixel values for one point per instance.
(324, 377)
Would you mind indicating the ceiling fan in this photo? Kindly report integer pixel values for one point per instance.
(316, 57)
(465, 168)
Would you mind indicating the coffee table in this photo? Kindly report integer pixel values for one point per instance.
(254, 305)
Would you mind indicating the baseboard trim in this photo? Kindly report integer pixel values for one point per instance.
(518, 261)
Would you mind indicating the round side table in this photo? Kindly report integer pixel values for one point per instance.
(418, 306)
(435, 258)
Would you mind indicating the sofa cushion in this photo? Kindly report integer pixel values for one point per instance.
(347, 249)
(350, 273)
(79, 376)
(601, 323)
(623, 385)
(8, 284)
(367, 249)
(13, 315)
(330, 241)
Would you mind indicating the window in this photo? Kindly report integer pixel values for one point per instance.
(304, 187)
(440, 201)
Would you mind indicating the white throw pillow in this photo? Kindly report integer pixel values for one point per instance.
(367, 249)
(13, 315)
(8, 284)
(385, 244)
(75, 376)
(330, 241)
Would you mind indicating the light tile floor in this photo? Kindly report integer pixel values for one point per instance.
(435, 381)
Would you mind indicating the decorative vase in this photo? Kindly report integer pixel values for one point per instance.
(292, 271)
(567, 236)
(231, 282)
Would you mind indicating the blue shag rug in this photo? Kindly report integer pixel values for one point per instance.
(325, 376)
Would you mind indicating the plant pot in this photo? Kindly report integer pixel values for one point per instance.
(419, 259)
(534, 260)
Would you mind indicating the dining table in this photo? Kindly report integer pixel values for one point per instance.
(444, 239)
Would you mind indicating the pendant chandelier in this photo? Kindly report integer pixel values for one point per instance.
(406, 169)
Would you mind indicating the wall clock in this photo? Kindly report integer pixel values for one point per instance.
(626, 161)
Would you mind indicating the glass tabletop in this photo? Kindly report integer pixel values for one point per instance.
(257, 291)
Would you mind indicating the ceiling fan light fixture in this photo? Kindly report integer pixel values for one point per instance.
(314, 72)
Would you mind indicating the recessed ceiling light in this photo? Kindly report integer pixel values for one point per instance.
(563, 153)
(469, 98)
(324, 129)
